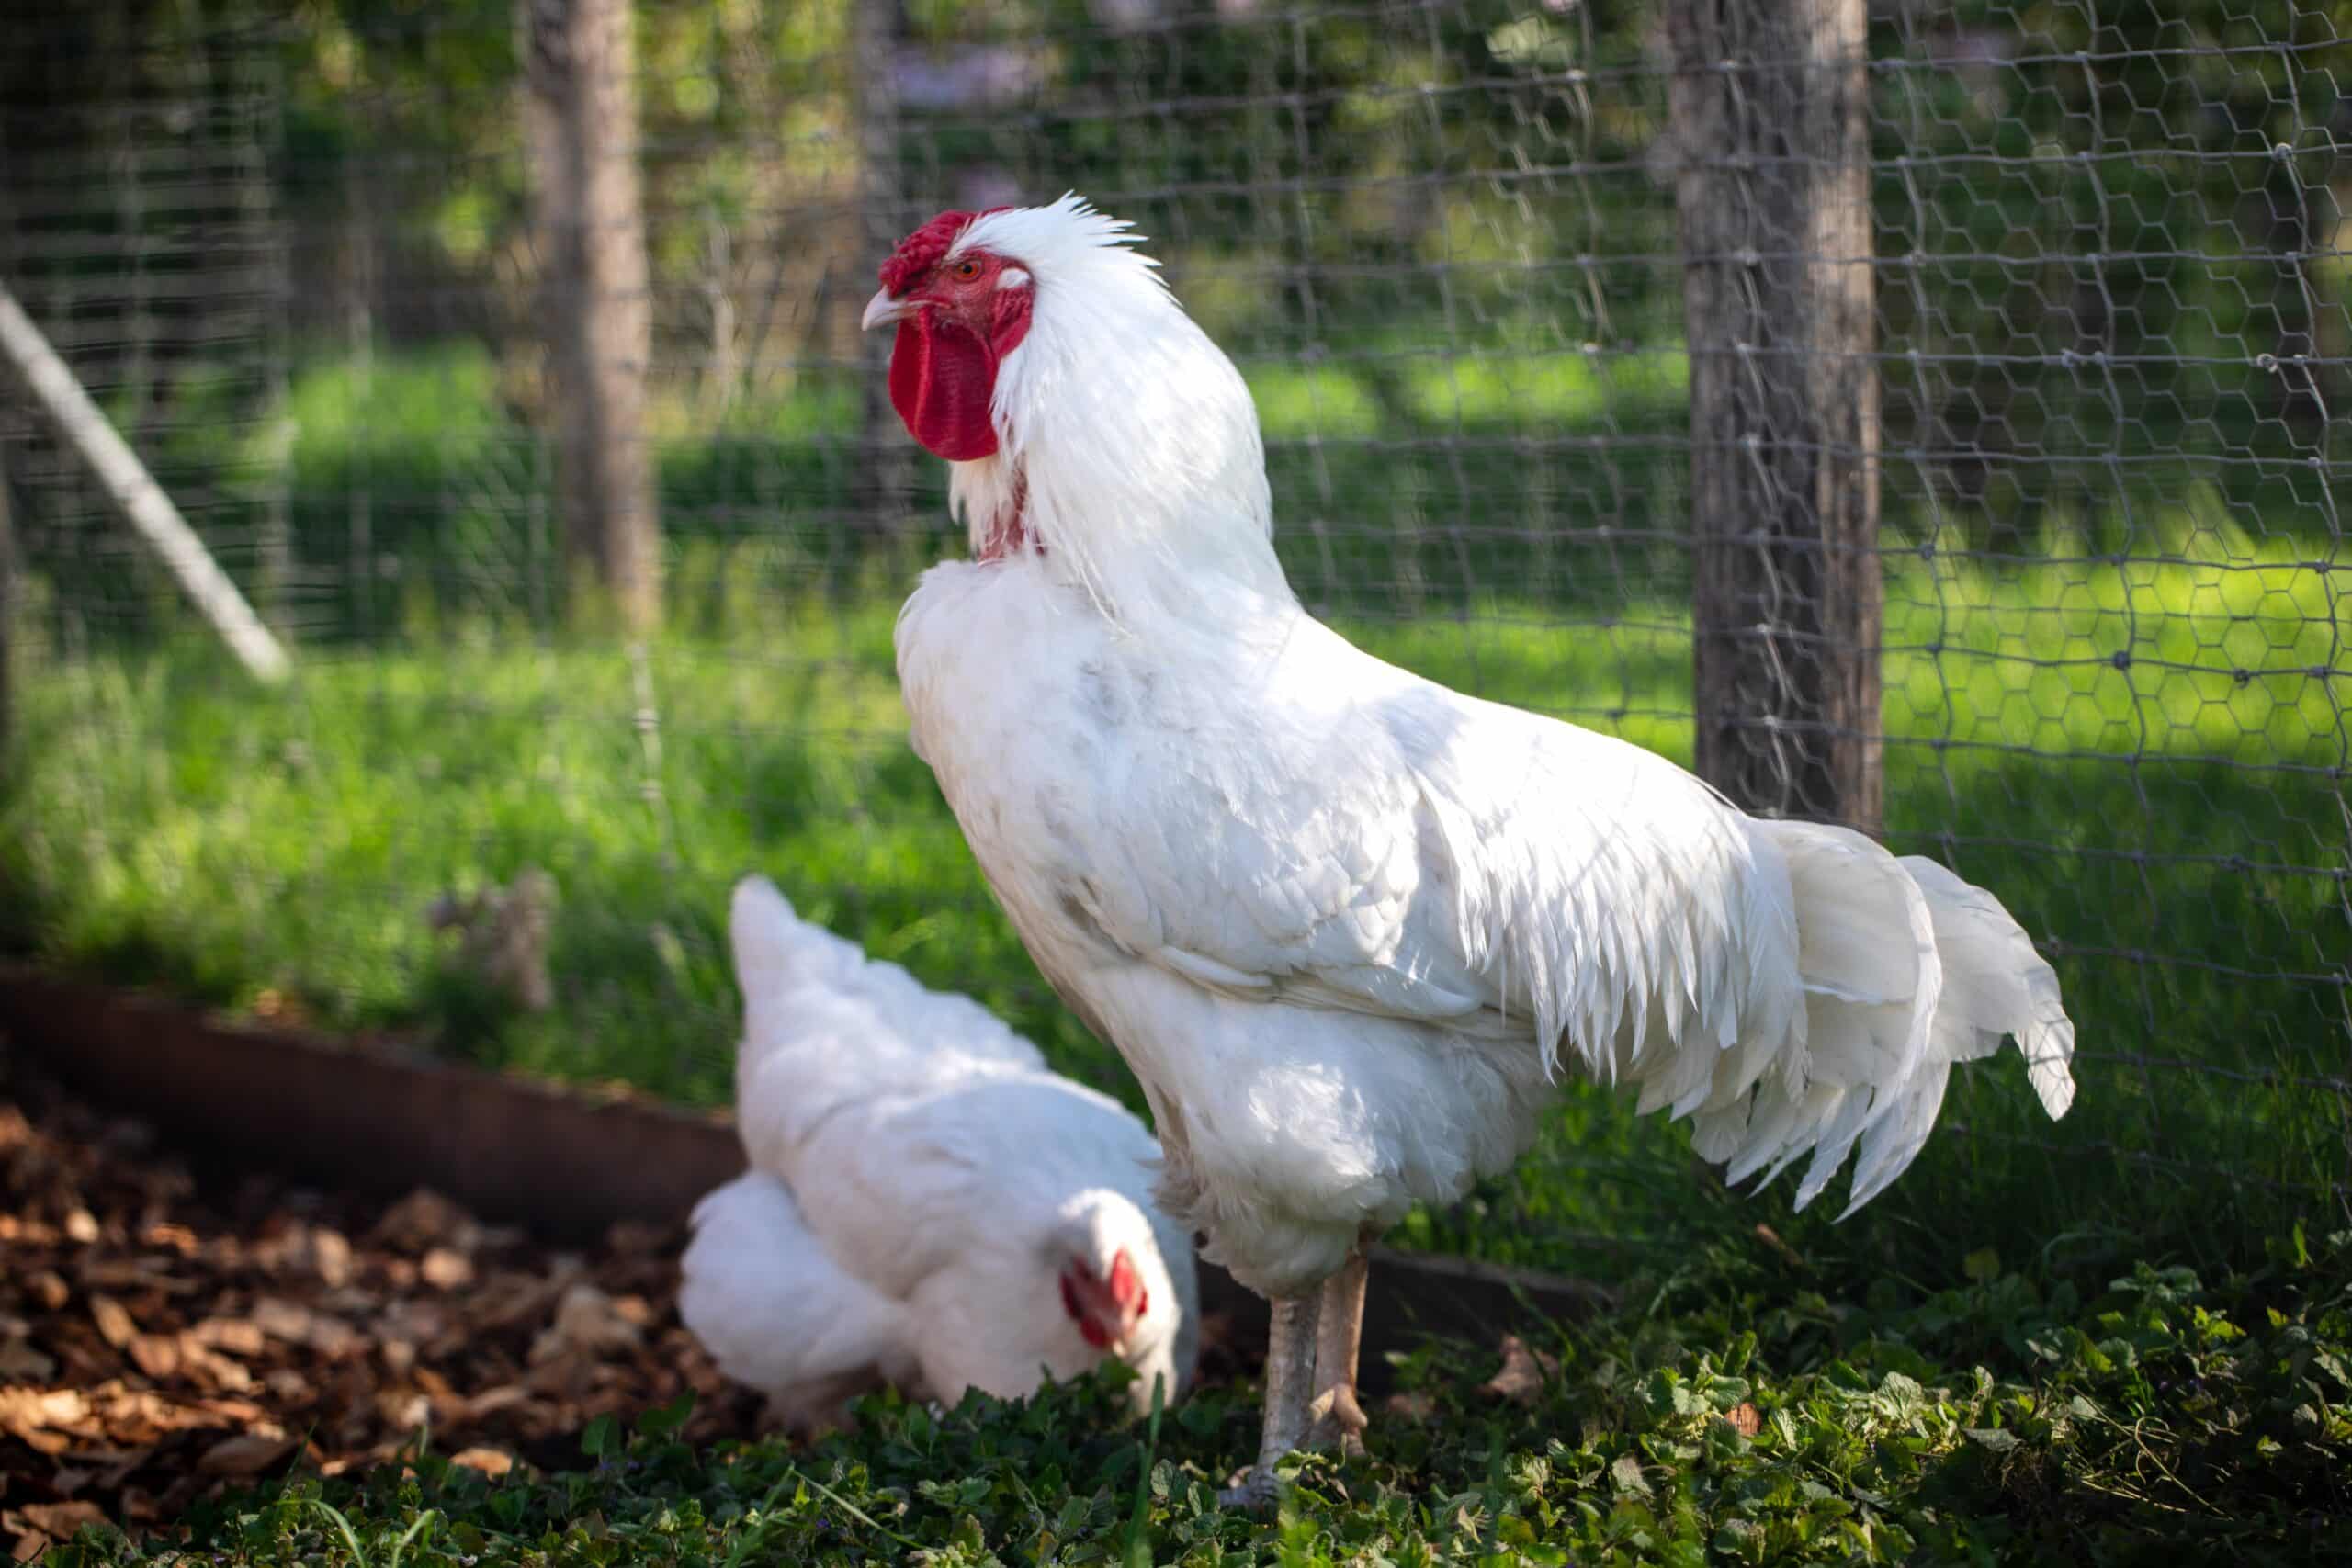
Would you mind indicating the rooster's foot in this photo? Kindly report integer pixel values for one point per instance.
(1336, 1423)
(1253, 1491)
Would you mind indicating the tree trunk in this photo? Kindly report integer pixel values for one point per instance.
(1771, 124)
(582, 120)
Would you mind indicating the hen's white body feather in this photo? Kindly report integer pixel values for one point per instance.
(1346, 925)
(917, 1179)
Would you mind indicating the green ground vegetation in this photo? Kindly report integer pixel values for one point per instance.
(1753, 1408)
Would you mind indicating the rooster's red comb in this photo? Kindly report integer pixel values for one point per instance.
(921, 251)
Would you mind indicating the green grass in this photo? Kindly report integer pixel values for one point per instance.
(2070, 737)
(2152, 1416)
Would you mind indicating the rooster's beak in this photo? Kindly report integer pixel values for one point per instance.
(882, 307)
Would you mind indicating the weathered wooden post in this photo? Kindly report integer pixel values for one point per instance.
(1771, 123)
(589, 206)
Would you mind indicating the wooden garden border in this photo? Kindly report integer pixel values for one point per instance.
(373, 1116)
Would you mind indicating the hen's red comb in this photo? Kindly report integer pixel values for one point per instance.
(921, 251)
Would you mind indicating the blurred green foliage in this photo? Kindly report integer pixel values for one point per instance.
(2111, 240)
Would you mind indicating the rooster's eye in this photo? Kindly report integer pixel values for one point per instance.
(966, 270)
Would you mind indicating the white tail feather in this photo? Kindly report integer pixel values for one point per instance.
(776, 951)
(825, 1025)
(1906, 970)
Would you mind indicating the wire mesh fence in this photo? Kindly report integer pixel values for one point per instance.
(1465, 255)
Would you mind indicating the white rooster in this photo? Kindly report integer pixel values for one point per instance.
(926, 1204)
(1347, 926)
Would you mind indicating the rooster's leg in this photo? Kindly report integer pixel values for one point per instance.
(1290, 1383)
(1338, 1417)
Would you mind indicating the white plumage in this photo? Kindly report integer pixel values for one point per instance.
(1346, 925)
(922, 1196)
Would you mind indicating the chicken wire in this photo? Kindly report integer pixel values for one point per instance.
(289, 248)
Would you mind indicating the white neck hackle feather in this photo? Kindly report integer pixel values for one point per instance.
(1134, 434)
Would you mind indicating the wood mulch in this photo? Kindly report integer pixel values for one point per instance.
(167, 1329)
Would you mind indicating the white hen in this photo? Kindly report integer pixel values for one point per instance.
(926, 1204)
(1346, 925)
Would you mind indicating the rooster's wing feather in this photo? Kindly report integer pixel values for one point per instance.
(1416, 854)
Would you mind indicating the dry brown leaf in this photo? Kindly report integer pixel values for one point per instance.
(61, 1520)
(423, 1219)
(215, 1374)
(44, 1442)
(236, 1335)
(234, 1412)
(445, 1268)
(81, 1226)
(1745, 1419)
(247, 1453)
(141, 1273)
(508, 1299)
(403, 1410)
(492, 1462)
(179, 1238)
(30, 1544)
(26, 1409)
(492, 1400)
(113, 1321)
(587, 1322)
(49, 1291)
(330, 1256)
(283, 1247)
(352, 1301)
(291, 1321)
(157, 1355)
(1525, 1372)
(417, 1318)
(282, 1319)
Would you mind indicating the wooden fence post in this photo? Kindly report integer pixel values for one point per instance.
(1770, 118)
(588, 199)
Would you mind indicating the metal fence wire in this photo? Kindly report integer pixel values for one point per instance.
(1541, 304)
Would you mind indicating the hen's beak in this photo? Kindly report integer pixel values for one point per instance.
(882, 308)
